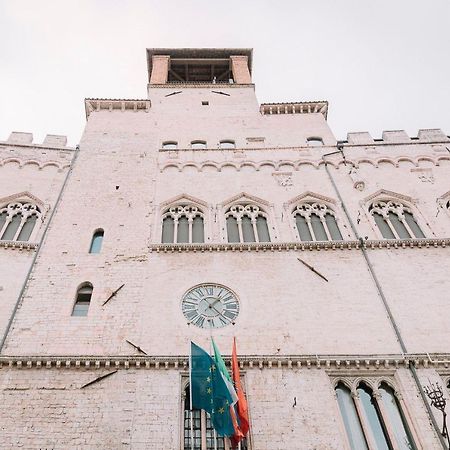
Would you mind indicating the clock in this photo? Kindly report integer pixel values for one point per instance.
(210, 306)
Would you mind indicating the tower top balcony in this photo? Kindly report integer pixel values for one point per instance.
(192, 66)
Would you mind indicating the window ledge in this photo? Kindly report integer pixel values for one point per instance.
(181, 362)
(287, 246)
(21, 245)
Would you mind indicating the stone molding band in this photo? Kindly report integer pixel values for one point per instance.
(335, 362)
(296, 246)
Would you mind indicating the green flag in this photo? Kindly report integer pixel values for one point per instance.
(209, 391)
(223, 370)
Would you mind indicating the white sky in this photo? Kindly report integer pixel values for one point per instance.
(381, 64)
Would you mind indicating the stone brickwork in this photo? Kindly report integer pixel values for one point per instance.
(298, 330)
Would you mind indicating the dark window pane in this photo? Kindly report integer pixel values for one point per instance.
(263, 229)
(27, 228)
(350, 417)
(12, 227)
(373, 418)
(247, 229)
(198, 230)
(183, 229)
(96, 243)
(303, 229)
(318, 229)
(383, 226)
(396, 418)
(398, 226)
(409, 218)
(167, 230)
(2, 220)
(333, 228)
(232, 229)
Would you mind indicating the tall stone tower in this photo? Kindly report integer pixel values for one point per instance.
(199, 212)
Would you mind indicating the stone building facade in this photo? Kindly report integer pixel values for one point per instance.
(336, 253)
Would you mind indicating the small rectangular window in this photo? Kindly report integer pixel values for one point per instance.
(205, 103)
(170, 145)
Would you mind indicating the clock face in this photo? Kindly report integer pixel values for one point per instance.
(210, 306)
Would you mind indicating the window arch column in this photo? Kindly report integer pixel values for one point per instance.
(18, 221)
(246, 223)
(183, 224)
(395, 220)
(381, 416)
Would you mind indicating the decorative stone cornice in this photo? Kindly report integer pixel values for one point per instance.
(300, 246)
(19, 245)
(98, 104)
(181, 362)
(295, 108)
(200, 84)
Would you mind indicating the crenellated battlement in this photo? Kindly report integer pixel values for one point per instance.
(398, 137)
(51, 141)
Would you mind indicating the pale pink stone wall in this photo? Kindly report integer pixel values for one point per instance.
(39, 170)
(119, 182)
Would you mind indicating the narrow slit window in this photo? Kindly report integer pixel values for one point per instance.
(303, 229)
(183, 230)
(83, 300)
(3, 216)
(383, 226)
(248, 233)
(198, 228)
(12, 228)
(168, 227)
(373, 417)
(263, 229)
(97, 241)
(232, 229)
(413, 225)
(318, 228)
(350, 417)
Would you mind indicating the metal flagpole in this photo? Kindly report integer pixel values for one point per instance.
(190, 398)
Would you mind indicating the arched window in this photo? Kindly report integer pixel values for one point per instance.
(316, 222)
(227, 145)
(183, 224)
(373, 419)
(170, 145)
(350, 417)
(83, 300)
(314, 141)
(18, 220)
(97, 240)
(395, 220)
(198, 145)
(247, 223)
(196, 423)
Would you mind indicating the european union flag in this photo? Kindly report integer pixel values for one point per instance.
(209, 391)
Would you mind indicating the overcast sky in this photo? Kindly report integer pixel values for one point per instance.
(381, 64)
